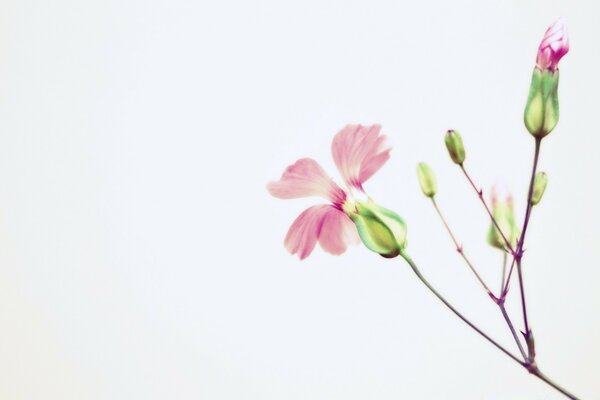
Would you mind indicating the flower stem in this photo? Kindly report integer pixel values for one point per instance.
(512, 328)
(458, 314)
(534, 370)
(504, 259)
(459, 249)
(529, 365)
(521, 242)
(487, 208)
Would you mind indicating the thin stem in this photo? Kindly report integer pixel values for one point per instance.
(458, 314)
(521, 241)
(535, 371)
(510, 271)
(460, 250)
(487, 208)
(512, 328)
(504, 259)
(529, 365)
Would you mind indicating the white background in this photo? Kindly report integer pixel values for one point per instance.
(141, 256)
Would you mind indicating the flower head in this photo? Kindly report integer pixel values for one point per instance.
(554, 46)
(358, 152)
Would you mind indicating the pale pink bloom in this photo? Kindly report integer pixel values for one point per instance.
(358, 152)
(554, 46)
(501, 195)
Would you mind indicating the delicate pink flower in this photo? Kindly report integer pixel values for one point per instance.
(554, 46)
(501, 195)
(358, 152)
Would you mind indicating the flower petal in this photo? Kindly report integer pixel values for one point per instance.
(306, 178)
(324, 223)
(554, 46)
(304, 232)
(337, 232)
(359, 151)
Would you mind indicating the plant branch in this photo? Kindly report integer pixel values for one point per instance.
(521, 242)
(460, 250)
(487, 208)
(458, 314)
(527, 364)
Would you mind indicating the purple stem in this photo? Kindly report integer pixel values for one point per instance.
(530, 366)
(521, 242)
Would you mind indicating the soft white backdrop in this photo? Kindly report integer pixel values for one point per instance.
(141, 256)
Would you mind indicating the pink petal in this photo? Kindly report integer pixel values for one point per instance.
(337, 232)
(324, 223)
(306, 178)
(554, 46)
(501, 195)
(359, 151)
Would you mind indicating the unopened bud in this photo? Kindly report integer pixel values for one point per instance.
(541, 111)
(455, 146)
(504, 215)
(381, 230)
(426, 179)
(539, 187)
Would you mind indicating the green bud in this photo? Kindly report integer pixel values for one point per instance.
(426, 179)
(455, 147)
(539, 187)
(504, 215)
(380, 229)
(541, 111)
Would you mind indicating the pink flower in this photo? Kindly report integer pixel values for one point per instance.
(358, 152)
(501, 195)
(554, 46)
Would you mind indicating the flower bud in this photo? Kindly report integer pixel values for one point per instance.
(455, 147)
(426, 179)
(504, 215)
(381, 230)
(539, 187)
(541, 111)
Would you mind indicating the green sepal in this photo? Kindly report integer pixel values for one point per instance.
(426, 179)
(455, 147)
(381, 230)
(504, 216)
(542, 110)
(539, 187)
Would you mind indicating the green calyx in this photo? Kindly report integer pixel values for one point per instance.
(381, 230)
(455, 146)
(504, 216)
(427, 179)
(539, 187)
(542, 111)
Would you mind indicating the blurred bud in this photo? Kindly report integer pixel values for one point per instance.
(539, 187)
(380, 229)
(504, 215)
(455, 147)
(541, 111)
(426, 179)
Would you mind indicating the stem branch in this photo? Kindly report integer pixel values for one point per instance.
(460, 250)
(458, 314)
(487, 208)
(527, 364)
(521, 242)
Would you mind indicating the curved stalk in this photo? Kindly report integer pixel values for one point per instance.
(455, 311)
(527, 364)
